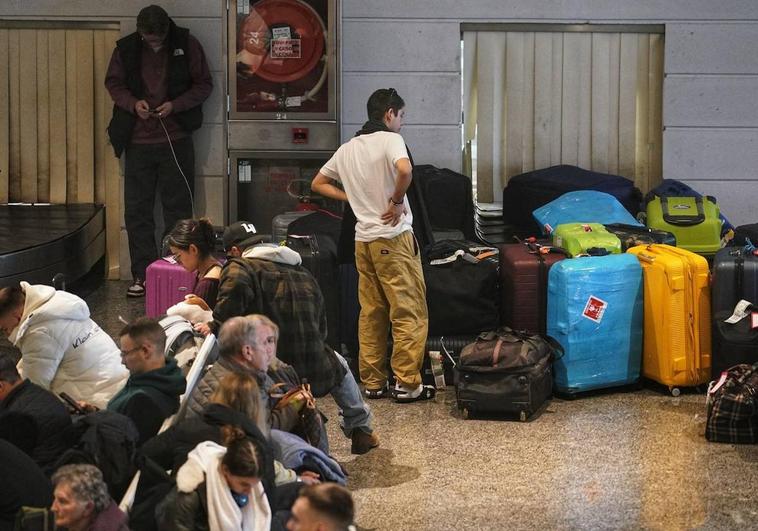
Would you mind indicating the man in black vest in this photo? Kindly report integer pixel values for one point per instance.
(158, 78)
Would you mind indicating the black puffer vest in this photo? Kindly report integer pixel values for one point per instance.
(179, 81)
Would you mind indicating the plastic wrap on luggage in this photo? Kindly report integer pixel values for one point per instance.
(583, 206)
(595, 312)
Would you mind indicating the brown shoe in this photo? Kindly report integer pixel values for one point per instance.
(363, 442)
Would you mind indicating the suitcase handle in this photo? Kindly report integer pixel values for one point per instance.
(682, 220)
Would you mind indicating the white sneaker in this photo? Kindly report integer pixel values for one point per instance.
(404, 394)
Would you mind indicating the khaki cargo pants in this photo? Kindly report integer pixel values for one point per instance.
(391, 290)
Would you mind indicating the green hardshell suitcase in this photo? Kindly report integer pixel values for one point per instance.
(694, 221)
(585, 238)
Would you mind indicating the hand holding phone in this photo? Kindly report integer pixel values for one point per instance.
(73, 404)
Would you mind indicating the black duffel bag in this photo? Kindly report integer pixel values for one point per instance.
(506, 371)
(462, 288)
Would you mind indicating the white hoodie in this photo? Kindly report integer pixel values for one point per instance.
(63, 350)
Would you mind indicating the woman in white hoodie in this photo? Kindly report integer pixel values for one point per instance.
(218, 488)
(62, 349)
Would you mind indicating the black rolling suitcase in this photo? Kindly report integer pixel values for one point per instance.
(319, 256)
(449, 349)
(505, 372)
(732, 343)
(631, 235)
(735, 277)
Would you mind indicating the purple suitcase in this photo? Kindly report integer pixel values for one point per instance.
(166, 284)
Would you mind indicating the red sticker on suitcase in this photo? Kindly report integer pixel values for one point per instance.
(594, 309)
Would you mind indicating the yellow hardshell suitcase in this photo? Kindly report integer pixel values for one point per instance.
(677, 300)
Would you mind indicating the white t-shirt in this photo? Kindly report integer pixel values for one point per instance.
(365, 165)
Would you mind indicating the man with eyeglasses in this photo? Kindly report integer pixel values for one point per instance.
(375, 170)
(158, 78)
(151, 393)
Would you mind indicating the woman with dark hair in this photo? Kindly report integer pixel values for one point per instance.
(191, 241)
(81, 501)
(219, 488)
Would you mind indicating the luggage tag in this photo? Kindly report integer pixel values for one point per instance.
(740, 312)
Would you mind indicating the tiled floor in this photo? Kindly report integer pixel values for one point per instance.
(634, 460)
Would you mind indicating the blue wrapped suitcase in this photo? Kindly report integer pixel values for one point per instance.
(595, 311)
(584, 206)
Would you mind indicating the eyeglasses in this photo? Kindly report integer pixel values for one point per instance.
(125, 353)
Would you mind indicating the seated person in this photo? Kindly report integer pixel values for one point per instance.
(151, 393)
(268, 279)
(326, 507)
(22, 400)
(248, 346)
(218, 488)
(62, 349)
(191, 241)
(82, 503)
(23, 485)
(236, 402)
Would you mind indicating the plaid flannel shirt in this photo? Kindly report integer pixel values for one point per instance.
(733, 407)
(291, 297)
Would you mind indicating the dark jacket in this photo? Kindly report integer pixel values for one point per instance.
(49, 420)
(278, 372)
(150, 398)
(289, 296)
(170, 448)
(110, 519)
(22, 484)
(179, 81)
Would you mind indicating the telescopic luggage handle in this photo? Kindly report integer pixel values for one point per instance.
(682, 220)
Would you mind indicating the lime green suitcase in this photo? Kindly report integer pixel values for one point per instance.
(694, 221)
(579, 238)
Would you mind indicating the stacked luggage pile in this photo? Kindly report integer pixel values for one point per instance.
(593, 299)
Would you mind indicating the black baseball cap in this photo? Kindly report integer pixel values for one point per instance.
(242, 234)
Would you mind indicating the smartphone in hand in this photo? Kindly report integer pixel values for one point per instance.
(73, 404)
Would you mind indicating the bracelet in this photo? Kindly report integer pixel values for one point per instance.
(393, 202)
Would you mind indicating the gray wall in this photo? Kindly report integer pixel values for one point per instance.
(710, 89)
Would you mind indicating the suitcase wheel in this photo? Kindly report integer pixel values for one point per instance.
(675, 391)
(465, 413)
(522, 416)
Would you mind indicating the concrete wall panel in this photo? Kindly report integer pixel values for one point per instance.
(710, 101)
(711, 154)
(429, 98)
(712, 48)
(415, 46)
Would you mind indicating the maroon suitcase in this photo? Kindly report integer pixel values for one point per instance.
(166, 283)
(523, 281)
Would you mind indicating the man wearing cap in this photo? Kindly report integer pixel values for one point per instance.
(263, 278)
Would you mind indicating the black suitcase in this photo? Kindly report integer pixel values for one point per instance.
(735, 277)
(631, 235)
(319, 256)
(732, 343)
(528, 191)
(462, 296)
(518, 379)
(450, 348)
(448, 198)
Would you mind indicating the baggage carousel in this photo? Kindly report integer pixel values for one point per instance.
(40, 241)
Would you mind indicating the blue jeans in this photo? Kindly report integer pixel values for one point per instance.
(354, 412)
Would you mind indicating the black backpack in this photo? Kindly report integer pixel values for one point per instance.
(107, 440)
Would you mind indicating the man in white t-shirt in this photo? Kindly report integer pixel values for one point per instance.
(375, 171)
